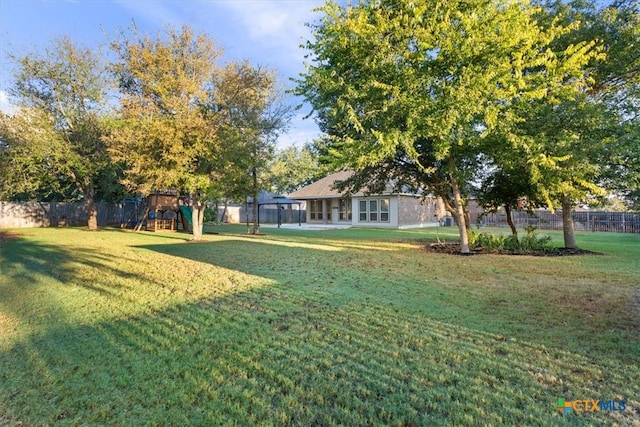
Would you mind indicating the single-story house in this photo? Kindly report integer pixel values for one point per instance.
(325, 205)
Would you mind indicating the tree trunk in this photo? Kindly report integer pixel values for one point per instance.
(90, 207)
(467, 217)
(461, 220)
(246, 212)
(197, 216)
(224, 211)
(567, 223)
(512, 226)
(256, 206)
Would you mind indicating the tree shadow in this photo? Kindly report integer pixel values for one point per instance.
(262, 357)
(31, 267)
(290, 353)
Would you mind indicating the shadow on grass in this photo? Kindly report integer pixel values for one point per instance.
(30, 267)
(337, 273)
(267, 357)
(312, 349)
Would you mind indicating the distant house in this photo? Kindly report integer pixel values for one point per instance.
(325, 205)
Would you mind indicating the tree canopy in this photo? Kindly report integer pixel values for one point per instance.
(419, 85)
(293, 168)
(589, 141)
(164, 134)
(52, 147)
(188, 124)
(253, 113)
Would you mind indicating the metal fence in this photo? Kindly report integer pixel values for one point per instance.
(52, 214)
(620, 222)
(269, 215)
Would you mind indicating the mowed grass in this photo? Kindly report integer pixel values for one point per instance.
(348, 327)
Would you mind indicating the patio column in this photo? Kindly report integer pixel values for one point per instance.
(324, 211)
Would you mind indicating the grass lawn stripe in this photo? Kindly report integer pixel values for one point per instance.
(354, 327)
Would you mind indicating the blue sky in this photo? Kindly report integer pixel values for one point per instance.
(265, 32)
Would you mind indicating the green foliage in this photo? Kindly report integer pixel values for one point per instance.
(486, 240)
(163, 135)
(416, 86)
(252, 113)
(210, 214)
(52, 146)
(33, 159)
(529, 243)
(250, 107)
(294, 168)
(589, 145)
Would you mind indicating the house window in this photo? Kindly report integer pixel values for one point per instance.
(345, 209)
(315, 209)
(384, 210)
(374, 210)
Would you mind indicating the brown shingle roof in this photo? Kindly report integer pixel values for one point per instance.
(322, 188)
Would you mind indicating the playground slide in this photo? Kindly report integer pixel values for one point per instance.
(186, 212)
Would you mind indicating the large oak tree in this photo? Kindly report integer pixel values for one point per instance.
(54, 140)
(164, 134)
(412, 88)
(588, 144)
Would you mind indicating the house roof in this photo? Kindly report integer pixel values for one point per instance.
(322, 188)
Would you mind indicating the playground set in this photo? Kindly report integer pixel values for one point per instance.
(161, 211)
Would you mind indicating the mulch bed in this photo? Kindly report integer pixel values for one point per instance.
(454, 249)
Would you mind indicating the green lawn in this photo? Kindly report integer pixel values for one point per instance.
(349, 327)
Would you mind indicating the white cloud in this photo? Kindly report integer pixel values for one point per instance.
(5, 104)
(272, 19)
(275, 26)
(270, 32)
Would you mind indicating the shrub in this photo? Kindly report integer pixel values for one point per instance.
(210, 214)
(531, 242)
(486, 241)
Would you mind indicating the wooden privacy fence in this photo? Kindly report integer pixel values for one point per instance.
(620, 222)
(52, 214)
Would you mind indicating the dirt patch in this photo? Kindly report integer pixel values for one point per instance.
(7, 235)
(454, 249)
(6, 324)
